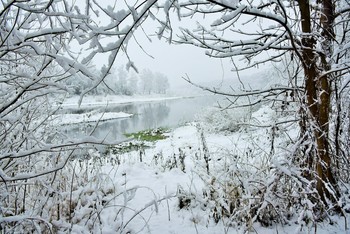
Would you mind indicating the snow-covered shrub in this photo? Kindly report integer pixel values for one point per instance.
(231, 119)
(88, 195)
(240, 193)
(255, 179)
(35, 202)
(215, 120)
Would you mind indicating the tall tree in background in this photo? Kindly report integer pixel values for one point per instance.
(147, 81)
(122, 86)
(133, 82)
(161, 83)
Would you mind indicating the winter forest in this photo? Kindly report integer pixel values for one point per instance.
(93, 141)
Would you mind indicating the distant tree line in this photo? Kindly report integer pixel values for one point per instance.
(123, 82)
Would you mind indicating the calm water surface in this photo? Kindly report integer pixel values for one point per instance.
(146, 115)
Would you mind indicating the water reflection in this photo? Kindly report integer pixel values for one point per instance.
(167, 113)
(154, 115)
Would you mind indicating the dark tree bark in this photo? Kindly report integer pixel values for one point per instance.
(318, 95)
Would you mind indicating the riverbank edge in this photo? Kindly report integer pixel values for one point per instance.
(90, 101)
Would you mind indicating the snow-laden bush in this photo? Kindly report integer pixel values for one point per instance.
(86, 196)
(215, 120)
(255, 180)
(241, 189)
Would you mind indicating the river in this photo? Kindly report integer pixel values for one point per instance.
(146, 115)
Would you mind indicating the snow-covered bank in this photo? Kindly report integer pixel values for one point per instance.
(89, 101)
(64, 119)
(164, 189)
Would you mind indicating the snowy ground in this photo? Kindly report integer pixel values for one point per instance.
(139, 191)
(64, 119)
(146, 185)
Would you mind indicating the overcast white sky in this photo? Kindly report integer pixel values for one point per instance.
(175, 61)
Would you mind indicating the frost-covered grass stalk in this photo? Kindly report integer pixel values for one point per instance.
(77, 199)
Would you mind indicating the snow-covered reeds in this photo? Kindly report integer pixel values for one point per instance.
(85, 196)
(250, 180)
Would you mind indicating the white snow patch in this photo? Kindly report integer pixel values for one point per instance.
(112, 100)
(64, 119)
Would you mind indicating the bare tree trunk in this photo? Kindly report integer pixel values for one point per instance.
(318, 95)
